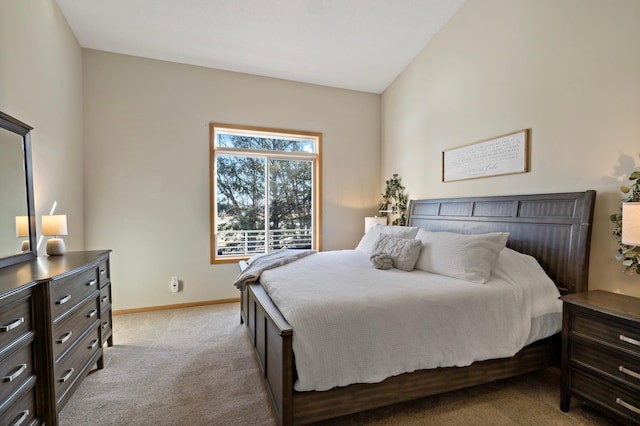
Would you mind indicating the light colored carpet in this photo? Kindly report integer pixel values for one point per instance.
(195, 366)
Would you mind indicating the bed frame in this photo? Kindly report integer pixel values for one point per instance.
(554, 228)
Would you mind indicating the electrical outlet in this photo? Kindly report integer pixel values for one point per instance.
(175, 283)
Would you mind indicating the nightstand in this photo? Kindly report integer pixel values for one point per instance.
(601, 353)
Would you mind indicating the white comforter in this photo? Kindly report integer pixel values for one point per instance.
(353, 323)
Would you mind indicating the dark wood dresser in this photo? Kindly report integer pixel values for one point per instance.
(601, 353)
(55, 316)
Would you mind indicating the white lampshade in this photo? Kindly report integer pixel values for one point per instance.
(631, 224)
(54, 225)
(370, 222)
(22, 226)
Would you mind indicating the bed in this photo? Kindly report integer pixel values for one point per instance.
(553, 228)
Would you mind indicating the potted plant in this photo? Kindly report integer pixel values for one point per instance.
(394, 201)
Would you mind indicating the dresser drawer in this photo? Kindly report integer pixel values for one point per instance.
(15, 369)
(71, 366)
(68, 331)
(614, 333)
(105, 297)
(15, 320)
(619, 365)
(104, 273)
(619, 399)
(69, 291)
(23, 411)
(105, 327)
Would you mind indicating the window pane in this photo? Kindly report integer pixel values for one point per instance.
(290, 206)
(240, 198)
(226, 140)
(265, 193)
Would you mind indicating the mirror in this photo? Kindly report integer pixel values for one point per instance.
(17, 213)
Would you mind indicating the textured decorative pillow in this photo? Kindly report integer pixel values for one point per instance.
(403, 251)
(470, 257)
(381, 261)
(369, 239)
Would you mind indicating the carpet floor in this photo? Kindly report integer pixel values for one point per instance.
(195, 366)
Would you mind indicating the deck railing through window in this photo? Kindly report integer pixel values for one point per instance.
(238, 243)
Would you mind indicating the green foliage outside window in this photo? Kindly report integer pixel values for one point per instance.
(263, 195)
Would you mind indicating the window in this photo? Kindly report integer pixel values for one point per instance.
(265, 191)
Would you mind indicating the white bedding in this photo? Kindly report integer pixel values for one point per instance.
(353, 323)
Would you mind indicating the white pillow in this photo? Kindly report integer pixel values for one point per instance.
(369, 239)
(469, 257)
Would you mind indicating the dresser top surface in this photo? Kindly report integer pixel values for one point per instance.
(44, 268)
(620, 305)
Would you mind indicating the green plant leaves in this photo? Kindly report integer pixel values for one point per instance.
(394, 199)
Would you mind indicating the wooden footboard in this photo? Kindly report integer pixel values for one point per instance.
(271, 337)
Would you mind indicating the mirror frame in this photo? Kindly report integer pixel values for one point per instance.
(16, 126)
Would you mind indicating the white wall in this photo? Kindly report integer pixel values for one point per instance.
(569, 70)
(147, 166)
(41, 85)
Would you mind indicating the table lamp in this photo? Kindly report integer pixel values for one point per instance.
(370, 222)
(631, 224)
(22, 230)
(53, 226)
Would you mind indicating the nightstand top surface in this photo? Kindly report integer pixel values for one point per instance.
(604, 301)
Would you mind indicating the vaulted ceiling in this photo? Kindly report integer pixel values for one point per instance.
(353, 44)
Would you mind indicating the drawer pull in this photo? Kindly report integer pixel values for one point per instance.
(103, 271)
(105, 324)
(92, 344)
(629, 372)
(65, 337)
(629, 340)
(11, 325)
(16, 374)
(22, 417)
(628, 406)
(67, 375)
(92, 313)
(92, 282)
(63, 300)
(103, 299)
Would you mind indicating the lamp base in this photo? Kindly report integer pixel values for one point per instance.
(55, 247)
(25, 246)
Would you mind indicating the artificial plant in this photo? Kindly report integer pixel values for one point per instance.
(394, 200)
(629, 255)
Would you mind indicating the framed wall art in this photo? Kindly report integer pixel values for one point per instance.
(501, 155)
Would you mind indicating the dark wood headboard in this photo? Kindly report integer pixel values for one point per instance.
(553, 228)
